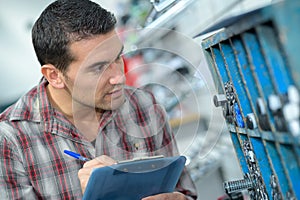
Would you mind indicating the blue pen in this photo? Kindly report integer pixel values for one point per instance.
(76, 155)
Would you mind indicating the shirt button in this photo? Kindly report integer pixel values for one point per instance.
(136, 146)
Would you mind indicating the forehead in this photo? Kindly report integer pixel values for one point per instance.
(104, 47)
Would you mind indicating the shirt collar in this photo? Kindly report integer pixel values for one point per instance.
(54, 121)
(36, 107)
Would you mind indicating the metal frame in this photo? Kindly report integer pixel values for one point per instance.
(254, 64)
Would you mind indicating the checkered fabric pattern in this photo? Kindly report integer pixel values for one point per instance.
(33, 136)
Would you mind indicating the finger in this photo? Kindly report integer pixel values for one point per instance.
(106, 160)
(83, 182)
(100, 162)
(167, 196)
(85, 171)
(155, 197)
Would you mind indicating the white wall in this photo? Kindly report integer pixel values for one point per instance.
(18, 65)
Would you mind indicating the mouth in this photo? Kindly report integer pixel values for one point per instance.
(116, 92)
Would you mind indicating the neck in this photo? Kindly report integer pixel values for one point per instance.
(84, 118)
(61, 101)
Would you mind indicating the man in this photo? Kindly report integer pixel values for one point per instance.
(82, 105)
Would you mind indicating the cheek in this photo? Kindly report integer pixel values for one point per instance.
(85, 88)
(101, 87)
(93, 85)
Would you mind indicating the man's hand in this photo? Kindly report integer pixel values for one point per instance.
(167, 196)
(85, 172)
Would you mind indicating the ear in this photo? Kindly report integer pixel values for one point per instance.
(53, 75)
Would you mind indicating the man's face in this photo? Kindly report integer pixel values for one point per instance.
(96, 78)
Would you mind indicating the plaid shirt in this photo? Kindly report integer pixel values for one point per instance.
(33, 136)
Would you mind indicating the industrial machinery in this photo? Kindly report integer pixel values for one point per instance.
(256, 68)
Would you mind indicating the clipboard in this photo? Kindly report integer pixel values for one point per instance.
(135, 180)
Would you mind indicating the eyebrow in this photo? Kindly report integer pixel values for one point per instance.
(100, 63)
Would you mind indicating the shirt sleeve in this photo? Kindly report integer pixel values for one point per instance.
(14, 183)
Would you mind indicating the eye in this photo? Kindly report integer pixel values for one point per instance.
(119, 58)
(100, 68)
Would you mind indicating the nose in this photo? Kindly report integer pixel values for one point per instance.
(117, 74)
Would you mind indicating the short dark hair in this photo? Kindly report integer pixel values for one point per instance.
(66, 21)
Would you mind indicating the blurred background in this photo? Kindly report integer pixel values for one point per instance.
(161, 54)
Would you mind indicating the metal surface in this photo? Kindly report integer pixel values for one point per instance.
(255, 65)
(160, 5)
